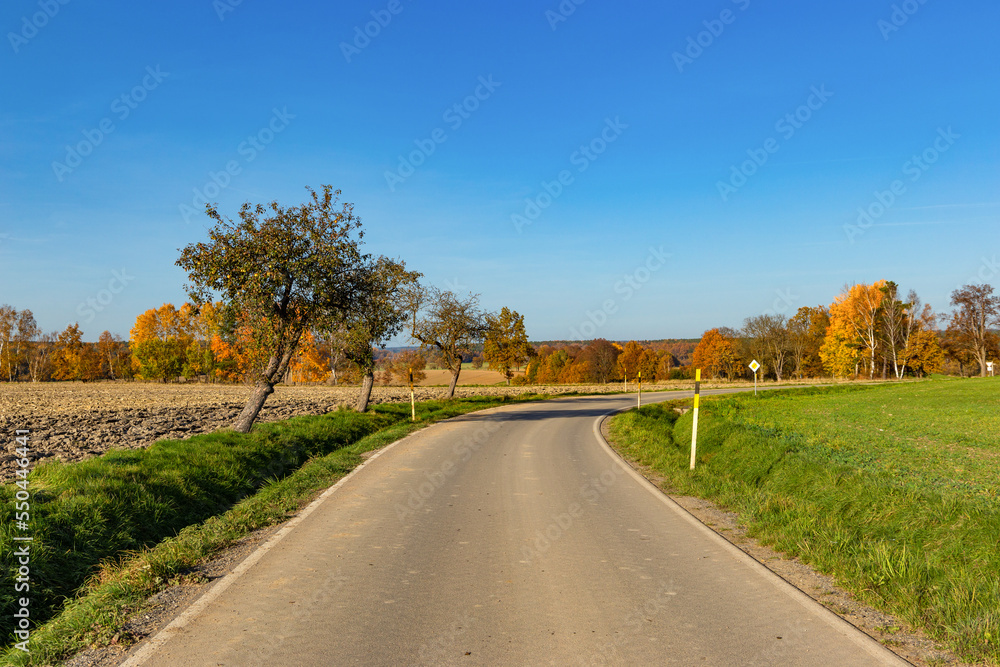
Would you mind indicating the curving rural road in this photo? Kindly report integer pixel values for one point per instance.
(507, 537)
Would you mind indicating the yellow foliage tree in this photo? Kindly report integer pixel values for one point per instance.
(856, 315)
(840, 351)
(160, 340)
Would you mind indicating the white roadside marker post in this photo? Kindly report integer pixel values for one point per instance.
(413, 402)
(694, 425)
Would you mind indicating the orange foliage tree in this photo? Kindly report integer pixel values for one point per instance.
(73, 359)
(309, 363)
(636, 358)
(115, 357)
(630, 359)
(807, 331)
(548, 366)
(715, 354)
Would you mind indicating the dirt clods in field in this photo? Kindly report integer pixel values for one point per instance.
(71, 421)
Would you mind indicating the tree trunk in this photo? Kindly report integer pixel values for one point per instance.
(454, 381)
(276, 368)
(366, 391)
(335, 358)
(261, 391)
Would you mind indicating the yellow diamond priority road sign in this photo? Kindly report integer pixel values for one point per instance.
(754, 366)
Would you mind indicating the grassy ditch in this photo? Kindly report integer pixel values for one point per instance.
(892, 489)
(111, 531)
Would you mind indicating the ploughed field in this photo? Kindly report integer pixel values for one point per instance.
(72, 420)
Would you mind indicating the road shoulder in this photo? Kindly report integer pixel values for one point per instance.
(908, 643)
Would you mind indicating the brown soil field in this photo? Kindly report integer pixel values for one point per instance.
(70, 421)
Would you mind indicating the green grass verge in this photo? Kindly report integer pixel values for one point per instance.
(892, 489)
(111, 531)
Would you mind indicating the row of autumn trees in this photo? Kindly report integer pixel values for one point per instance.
(169, 343)
(285, 275)
(26, 353)
(211, 342)
(868, 331)
(601, 361)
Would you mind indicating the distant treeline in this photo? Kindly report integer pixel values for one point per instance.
(868, 331)
(600, 361)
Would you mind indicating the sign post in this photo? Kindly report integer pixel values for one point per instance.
(639, 396)
(754, 366)
(694, 425)
(989, 367)
(413, 402)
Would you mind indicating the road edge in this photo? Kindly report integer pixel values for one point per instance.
(841, 625)
(150, 645)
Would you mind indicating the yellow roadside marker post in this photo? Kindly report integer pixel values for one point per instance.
(694, 425)
(413, 402)
(639, 396)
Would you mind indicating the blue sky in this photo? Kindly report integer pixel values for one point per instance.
(691, 164)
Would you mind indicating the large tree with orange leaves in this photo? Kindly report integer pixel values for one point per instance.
(630, 359)
(715, 354)
(73, 359)
(806, 332)
(635, 359)
(309, 364)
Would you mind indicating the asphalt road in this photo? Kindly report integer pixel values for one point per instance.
(508, 537)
